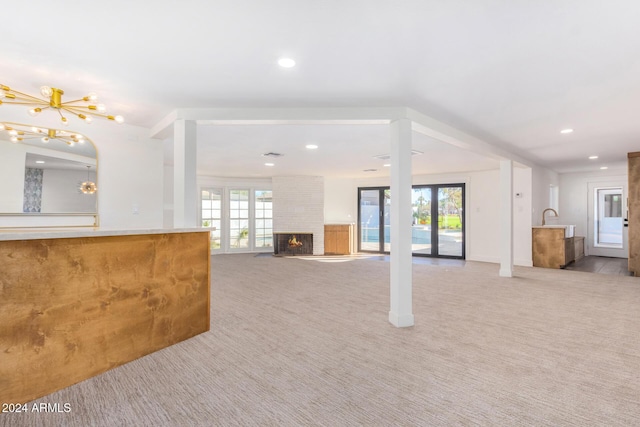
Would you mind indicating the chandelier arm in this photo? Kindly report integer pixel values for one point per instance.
(75, 100)
(26, 95)
(26, 102)
(77, 110)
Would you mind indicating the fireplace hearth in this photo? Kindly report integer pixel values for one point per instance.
(291, 244)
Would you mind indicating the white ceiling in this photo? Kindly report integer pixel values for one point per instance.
(343, 151)
(513, 73)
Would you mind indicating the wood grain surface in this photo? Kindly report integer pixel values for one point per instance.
(548, 247)
(634, 212)
(74, 308)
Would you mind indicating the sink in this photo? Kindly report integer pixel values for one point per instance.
(569, 230)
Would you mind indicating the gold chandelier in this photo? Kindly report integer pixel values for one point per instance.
(88, 187)
(84, 108)
(18, 133)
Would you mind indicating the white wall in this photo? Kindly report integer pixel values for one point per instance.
(130, 169)
(61, 191)
(542, 180)
(167, 205)
(340, 201)
(522, 216)
(12, 163)
(130, 176)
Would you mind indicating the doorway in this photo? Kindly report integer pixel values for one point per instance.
(607, 235)
(437, 220)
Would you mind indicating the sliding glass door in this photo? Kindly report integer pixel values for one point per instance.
(450, 220)
(437, 220)
(374, 213)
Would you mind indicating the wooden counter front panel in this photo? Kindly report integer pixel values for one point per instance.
(549, 247)
(634, 212)
(74, 308)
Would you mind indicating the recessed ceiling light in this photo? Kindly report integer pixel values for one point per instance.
(387, 165)
(566, 131)
(369, 170)
(286, 62)
(603, 167)
(269, 164)
(593, 157)
(311, 147)
(40, 161)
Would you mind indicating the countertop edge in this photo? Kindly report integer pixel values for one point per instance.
(10, 234)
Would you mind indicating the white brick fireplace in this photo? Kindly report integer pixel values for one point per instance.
(298, 207)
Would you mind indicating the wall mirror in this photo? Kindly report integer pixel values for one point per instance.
(42, 171)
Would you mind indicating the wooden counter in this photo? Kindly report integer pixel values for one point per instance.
(551, 249)
(633, 212)
(72, 308)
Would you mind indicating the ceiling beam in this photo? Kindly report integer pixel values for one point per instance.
(339, 115)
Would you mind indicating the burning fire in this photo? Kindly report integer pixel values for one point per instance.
(293, 242)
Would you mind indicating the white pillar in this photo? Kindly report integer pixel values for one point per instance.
(506, 218)
(185, 200)
(401, 311)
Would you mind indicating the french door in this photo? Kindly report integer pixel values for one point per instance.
(437, 220)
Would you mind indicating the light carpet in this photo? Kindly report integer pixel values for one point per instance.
(296, 342)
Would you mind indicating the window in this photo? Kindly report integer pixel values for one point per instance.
(263, 219)
(239, 219)
(211, 214)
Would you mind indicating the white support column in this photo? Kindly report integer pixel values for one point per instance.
(506, 218)
(401, 311)
(184, 174)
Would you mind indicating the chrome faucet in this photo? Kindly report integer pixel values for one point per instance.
(545, 211)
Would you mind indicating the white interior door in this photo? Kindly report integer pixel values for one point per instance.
(607, 235)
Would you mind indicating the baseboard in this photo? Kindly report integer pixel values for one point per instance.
(523, 263)
(496, 260)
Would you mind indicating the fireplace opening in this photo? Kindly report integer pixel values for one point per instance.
(288, 244)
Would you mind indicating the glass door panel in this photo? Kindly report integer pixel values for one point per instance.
(238, 219)
(421, 226)
(387, 221)
(263, 207)
(609, 224)
(369, 217)
(437, 224)
(450, 230)
(211, 214)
